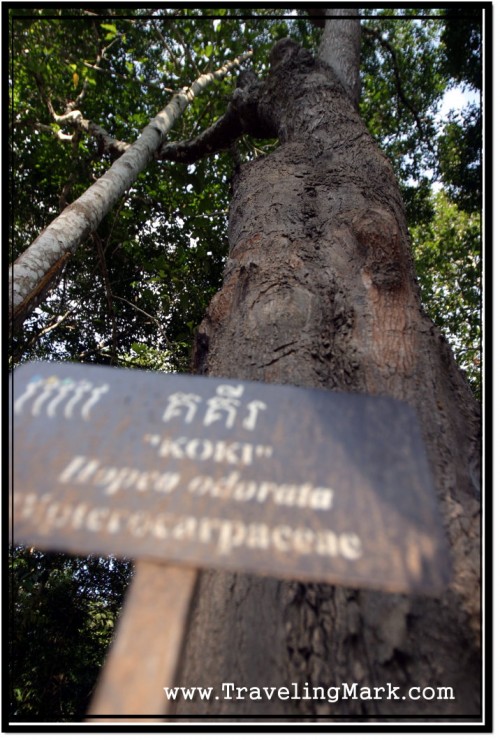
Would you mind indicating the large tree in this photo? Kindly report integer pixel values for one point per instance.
(319, 290)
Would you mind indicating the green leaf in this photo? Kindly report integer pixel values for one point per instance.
(111, 28)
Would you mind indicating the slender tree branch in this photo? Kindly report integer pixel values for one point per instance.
(195, 125)
(66, 190)
(102, 345)
(23, 348)
(241, 117)
(169, 49)
(216, 138)
(109, 293)
(51, 327)
(107, 144)
(148, 315)
(57, 133)
(186, 50)
(35, 270)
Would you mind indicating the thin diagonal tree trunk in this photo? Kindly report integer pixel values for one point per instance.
(34, 272)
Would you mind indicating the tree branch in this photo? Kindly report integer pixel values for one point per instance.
(169, 49)
(216, 138)
(57, 133)
(109, 293)
(241, 117)
(377, 34)
(75, 119)
(148, 315)
(34, 271)
(340, 49)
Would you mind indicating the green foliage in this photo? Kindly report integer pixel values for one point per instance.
(447, 254)
(63, 612)
(460, 144)
(462, 43)
(400, 99)
(460, 158)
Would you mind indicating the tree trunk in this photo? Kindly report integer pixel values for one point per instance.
(320, 291)
(340, 48)
(33, 273)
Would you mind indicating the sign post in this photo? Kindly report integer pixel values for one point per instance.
(145, 653)
(203, 472)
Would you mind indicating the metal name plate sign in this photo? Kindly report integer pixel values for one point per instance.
(284, 481)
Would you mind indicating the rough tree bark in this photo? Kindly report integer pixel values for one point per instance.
(320, 291)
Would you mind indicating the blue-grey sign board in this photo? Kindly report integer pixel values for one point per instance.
(291, 482)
